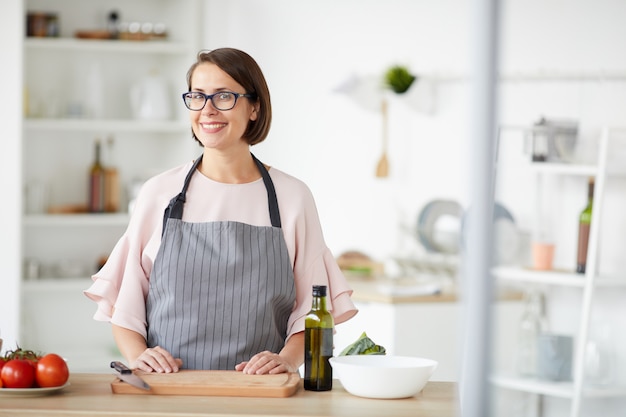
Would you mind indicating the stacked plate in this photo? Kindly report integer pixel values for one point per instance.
(440, 229)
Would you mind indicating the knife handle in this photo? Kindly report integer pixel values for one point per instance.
(120, 367)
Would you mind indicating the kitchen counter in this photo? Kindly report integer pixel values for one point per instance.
(406, 323)
(90, 394)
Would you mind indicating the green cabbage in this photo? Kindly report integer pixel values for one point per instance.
(363, 346)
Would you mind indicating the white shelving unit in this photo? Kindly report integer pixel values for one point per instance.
(58, 149)
(576, 390)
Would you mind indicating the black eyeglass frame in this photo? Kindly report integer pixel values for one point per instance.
(208, 97)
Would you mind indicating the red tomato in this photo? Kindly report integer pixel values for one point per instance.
(52, 371)
(18, 373)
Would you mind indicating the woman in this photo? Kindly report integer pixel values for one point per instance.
(216, 267)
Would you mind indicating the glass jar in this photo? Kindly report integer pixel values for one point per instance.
(532, 324)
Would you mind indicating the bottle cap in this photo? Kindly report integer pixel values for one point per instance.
(319, 291)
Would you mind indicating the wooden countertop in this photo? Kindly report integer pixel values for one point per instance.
(90, 394)
(388, 291)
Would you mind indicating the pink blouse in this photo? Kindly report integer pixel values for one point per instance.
(120, 288)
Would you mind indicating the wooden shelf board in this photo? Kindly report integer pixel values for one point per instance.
(106, 45)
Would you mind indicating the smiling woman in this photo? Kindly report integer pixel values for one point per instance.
(219, 123)
(219, 276)
(213, 79)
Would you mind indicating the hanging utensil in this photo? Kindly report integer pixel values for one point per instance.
(382, 169)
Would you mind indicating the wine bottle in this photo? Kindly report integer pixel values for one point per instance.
(111, 181)
(584, 225)
(96, 182)
(318, 343)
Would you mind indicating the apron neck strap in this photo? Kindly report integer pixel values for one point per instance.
(272, 201)
(175, 208)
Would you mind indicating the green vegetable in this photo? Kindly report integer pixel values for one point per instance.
(399, 79)
(363, 346)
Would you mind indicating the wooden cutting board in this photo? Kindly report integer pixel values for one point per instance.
(213, 383)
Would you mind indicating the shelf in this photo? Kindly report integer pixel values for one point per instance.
(556, 168)
(66, 220)
(557, 278)
(50, 284)
(92, 125)
(574, 169)
(97, 45)
(571, 168)
(555, 389)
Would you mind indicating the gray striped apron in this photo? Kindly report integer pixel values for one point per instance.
(219, 292)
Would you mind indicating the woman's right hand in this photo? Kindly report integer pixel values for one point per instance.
(157, 359)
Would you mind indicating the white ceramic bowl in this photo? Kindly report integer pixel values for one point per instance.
(382, 376)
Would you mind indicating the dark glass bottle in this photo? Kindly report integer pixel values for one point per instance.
(96, 182)
(111, 181)
(318, 344)
(584, 225)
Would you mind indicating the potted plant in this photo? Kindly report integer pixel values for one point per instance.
(399, 79)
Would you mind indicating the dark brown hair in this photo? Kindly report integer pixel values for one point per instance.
(245, 70)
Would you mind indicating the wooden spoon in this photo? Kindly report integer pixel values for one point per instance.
(382, 169)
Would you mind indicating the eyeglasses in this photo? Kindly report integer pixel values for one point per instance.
(223, 100)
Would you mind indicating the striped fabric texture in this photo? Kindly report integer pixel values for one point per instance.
(219, 293)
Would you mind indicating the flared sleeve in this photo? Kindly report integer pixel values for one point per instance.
(323, 271)
(121, 301)
(313, 263)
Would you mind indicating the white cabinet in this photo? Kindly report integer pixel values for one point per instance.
(563, 222)
(77, 90)
(426, 326)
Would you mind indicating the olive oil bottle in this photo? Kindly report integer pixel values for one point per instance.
(318, 343)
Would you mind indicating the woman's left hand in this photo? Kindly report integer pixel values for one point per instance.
(265, 363)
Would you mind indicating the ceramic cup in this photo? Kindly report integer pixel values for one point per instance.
(554, 357)
(543, 255)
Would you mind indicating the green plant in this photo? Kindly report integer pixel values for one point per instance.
(399, 79)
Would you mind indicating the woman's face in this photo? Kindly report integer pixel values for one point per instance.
(214, 128)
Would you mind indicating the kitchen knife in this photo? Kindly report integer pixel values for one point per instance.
(126, 374)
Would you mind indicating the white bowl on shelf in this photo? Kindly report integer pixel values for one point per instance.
(383, 376)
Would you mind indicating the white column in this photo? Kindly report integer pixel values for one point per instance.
(476, 279)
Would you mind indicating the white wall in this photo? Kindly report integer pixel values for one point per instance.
(11, 19)
(309, 48)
